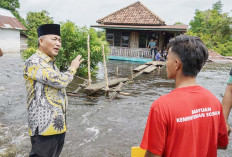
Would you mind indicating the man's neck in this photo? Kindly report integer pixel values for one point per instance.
(41, 50)
(185, 81)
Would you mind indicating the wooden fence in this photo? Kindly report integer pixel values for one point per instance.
(128, 52)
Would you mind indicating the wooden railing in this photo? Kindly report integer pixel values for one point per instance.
(128, 52)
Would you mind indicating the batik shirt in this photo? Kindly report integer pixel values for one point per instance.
(230, 78)
(47, 100)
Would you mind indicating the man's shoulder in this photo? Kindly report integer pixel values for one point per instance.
(162, 100)
(179, 94)
(33, 59)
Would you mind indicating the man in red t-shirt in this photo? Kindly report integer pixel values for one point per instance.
(189, 120)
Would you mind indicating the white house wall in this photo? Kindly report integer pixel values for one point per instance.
(10, 40)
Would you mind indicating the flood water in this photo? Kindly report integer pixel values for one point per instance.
(96, 127)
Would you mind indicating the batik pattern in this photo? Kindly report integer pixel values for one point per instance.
(46, 94)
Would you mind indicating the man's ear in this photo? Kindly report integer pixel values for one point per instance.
(41, 41)
(178, 64)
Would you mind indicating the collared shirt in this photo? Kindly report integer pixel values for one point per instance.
(152, 44)
(230, 78)
(46, 100)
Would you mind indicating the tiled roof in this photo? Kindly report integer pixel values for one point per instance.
(183, 28)
(134, 14)
(7, 20)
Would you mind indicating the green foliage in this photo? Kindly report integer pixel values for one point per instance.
(214, 28)
(28, 52)
(178, 23)
(74, 42)
(225, 48)
(218, 6)
(33, 21)
(11, 5)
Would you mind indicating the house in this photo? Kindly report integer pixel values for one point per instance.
(130, 29)
(10, 29)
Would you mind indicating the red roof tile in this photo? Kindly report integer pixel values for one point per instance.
(167, 27)
(134, 14)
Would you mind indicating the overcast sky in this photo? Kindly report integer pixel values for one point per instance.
(86, 12)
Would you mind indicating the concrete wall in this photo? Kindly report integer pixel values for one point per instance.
(10, 40)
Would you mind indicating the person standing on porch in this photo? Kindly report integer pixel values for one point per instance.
(152, 46)
(47, 100)
(189, 120)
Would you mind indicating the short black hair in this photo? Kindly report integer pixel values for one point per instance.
(191, 51)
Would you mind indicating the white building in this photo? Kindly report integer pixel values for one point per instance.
(10, 29)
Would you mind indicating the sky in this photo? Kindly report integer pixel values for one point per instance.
(87, 12)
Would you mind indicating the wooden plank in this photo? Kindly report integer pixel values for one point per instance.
(123, 93)
(150, 69)
(140, 67)
(89, 72)
(118, 88)
(136, 74)
(77, 90)
(97, 86)
(156, 63)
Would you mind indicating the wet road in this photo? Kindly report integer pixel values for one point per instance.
(96, 127)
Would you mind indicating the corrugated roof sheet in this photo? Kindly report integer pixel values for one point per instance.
(5, 12)
(134, 14)
(7, 20)
(134, 27)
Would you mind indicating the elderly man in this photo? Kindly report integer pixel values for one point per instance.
(188, 121)
(47, 100)
(227, 101)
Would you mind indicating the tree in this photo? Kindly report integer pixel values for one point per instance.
(12, 5)
(213, 27)
(178, 23)
(74, 42)
(33, 21)
(218, 6)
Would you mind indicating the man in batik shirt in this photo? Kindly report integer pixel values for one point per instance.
(227, 101)
(47, 100)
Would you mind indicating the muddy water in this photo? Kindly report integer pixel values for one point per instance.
(96, 127)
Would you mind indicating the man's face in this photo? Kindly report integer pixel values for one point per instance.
(51, 44)
(171, 64)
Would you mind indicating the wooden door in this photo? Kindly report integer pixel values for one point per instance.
(134, 40)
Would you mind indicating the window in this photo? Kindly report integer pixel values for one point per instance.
(110, 38)
(142, 40)
(125, 39)
(117, 38)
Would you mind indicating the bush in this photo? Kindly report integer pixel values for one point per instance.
(224, 49)
(74, 42)
(28, 52)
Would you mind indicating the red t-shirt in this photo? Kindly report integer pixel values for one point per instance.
(186, 122)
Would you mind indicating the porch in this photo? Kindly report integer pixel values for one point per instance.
(130, 54)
